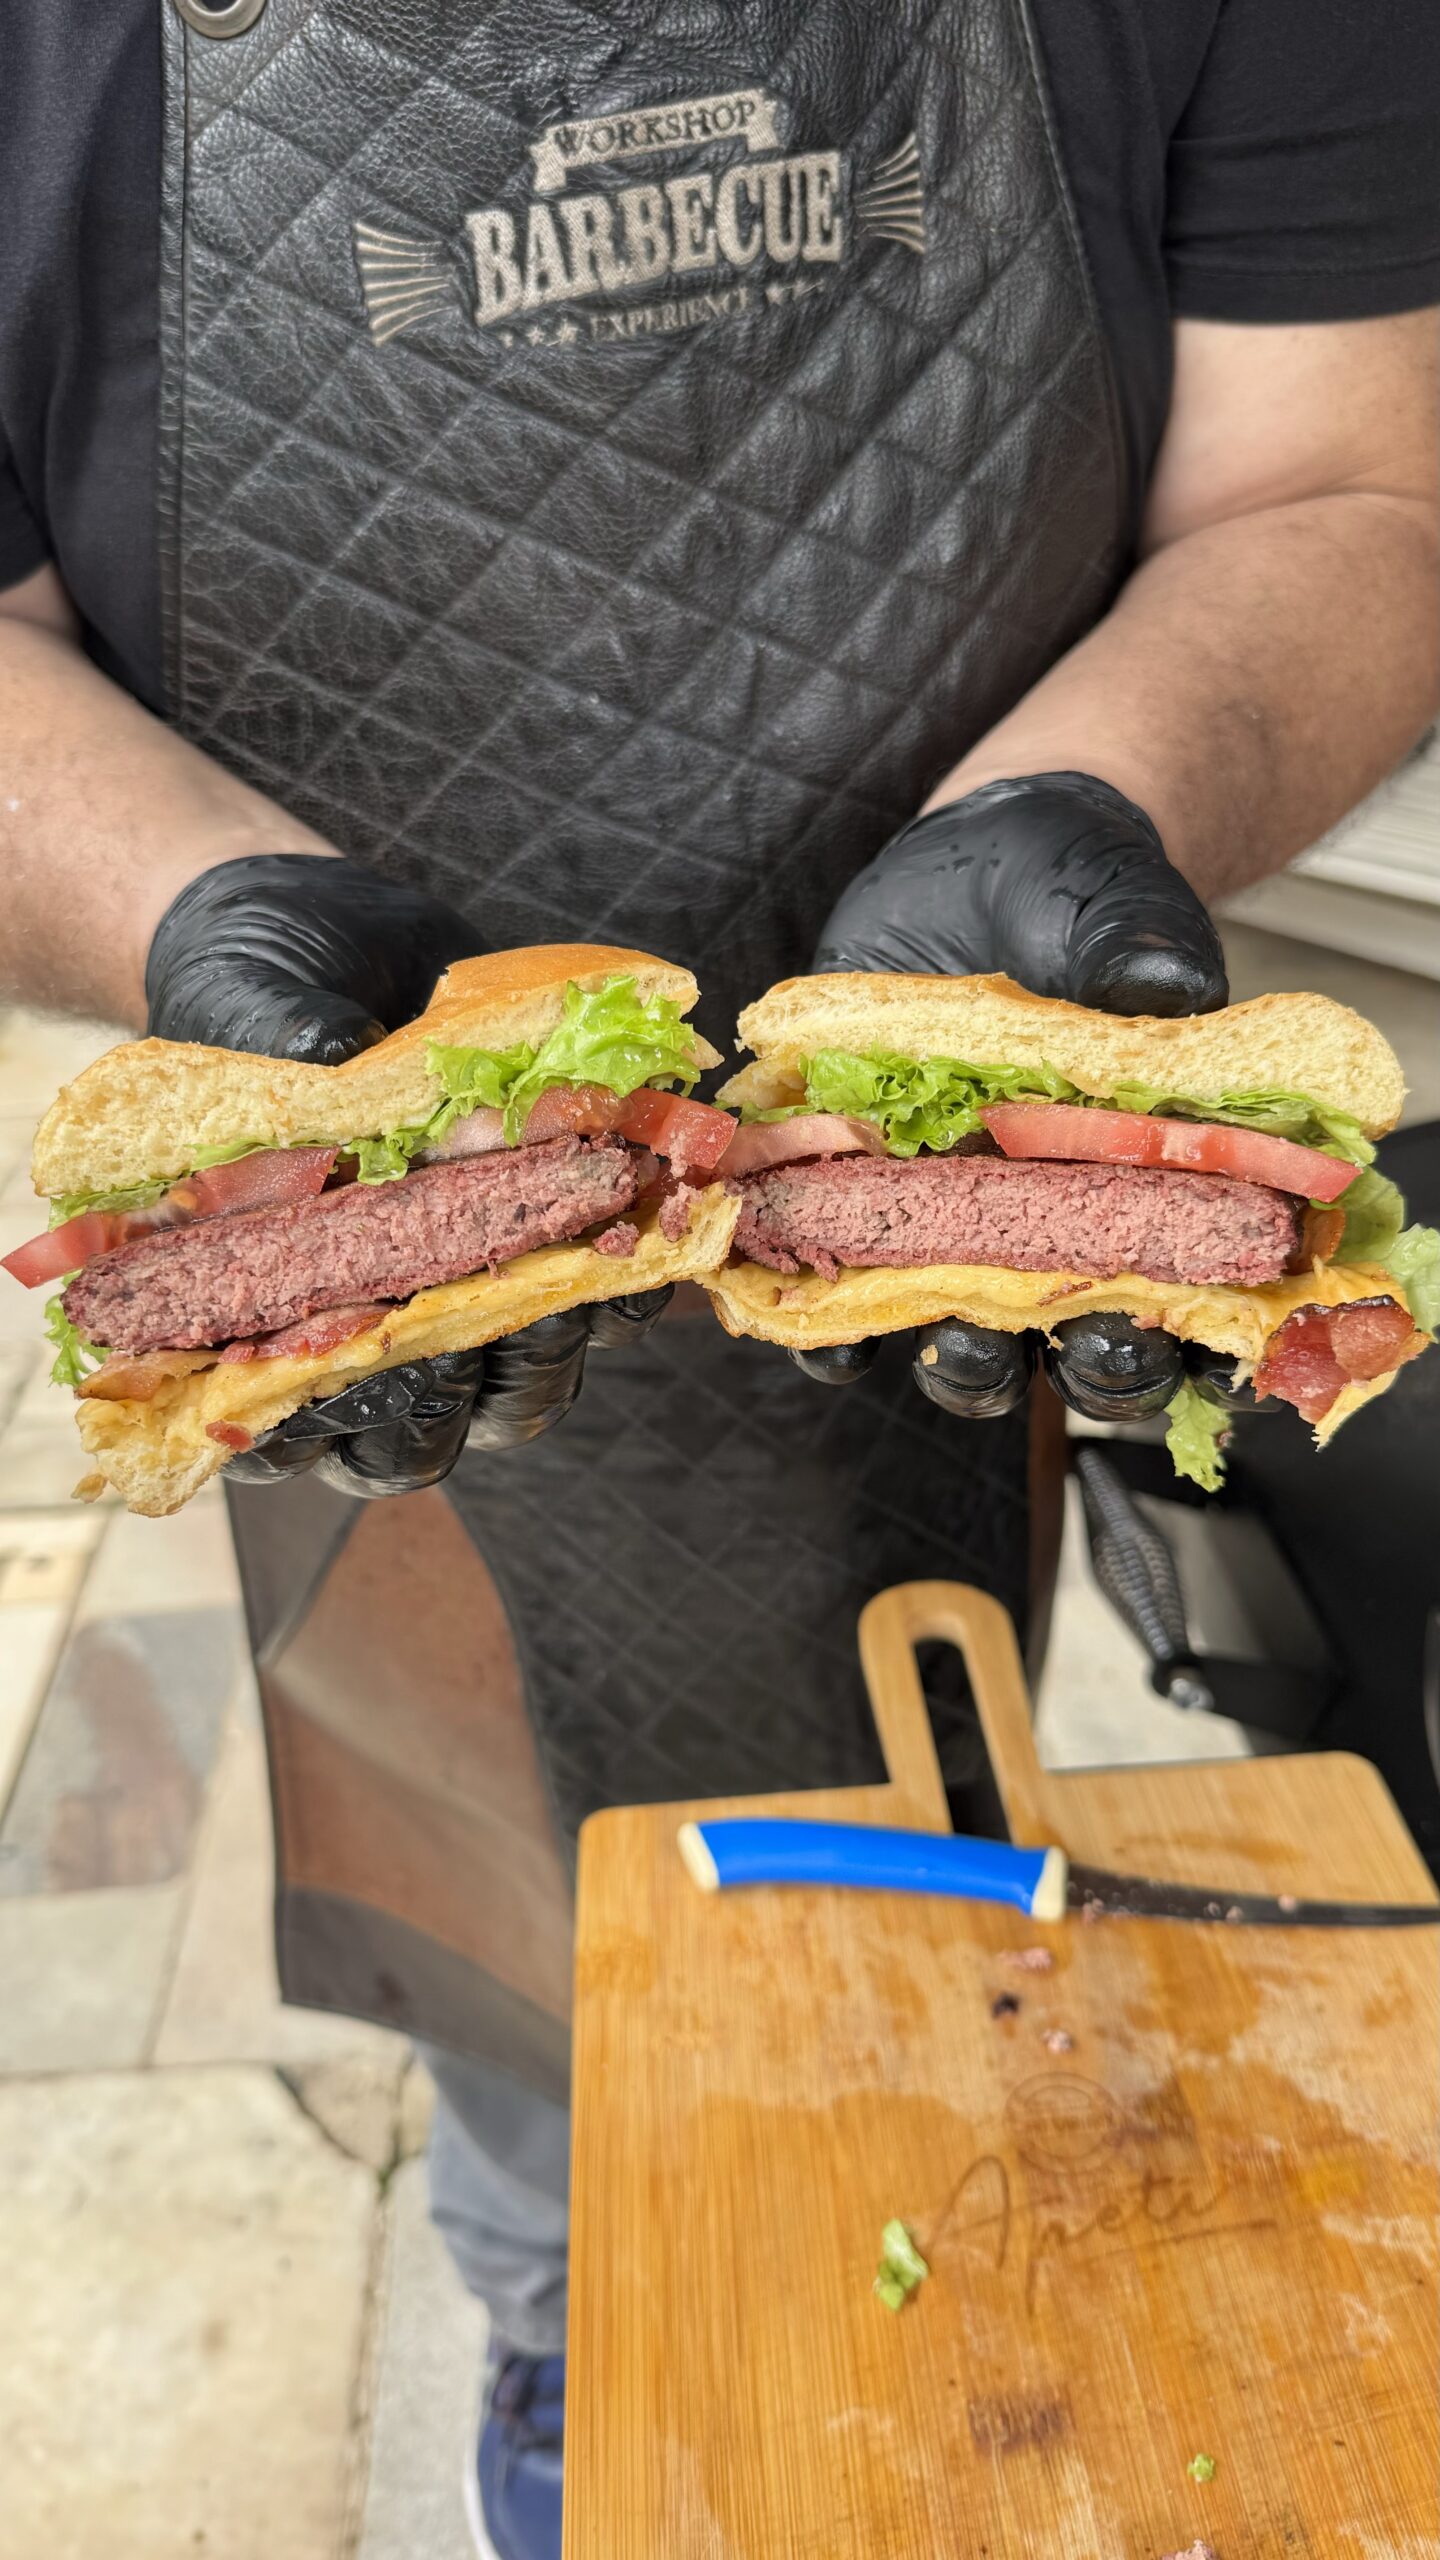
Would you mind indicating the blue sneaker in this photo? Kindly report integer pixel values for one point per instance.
(512, 2489)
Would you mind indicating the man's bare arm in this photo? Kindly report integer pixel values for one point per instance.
(104, 815)
(1278, 650)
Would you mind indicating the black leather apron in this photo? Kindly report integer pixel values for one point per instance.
(614, 459)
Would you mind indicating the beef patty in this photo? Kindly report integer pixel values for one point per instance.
(223, 1279)
(1098, 1219)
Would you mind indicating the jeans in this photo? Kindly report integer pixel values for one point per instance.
(500, 2195)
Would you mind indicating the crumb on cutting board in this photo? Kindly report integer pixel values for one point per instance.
(1028, 1959)
(1006, 2006)
(1196, 2551)
(1058, 2040)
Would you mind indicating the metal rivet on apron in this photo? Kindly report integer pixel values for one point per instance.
(226, 18)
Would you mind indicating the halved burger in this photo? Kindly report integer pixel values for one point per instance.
(233, 1236)
(916, 1148)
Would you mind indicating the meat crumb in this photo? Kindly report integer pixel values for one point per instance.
(618, 1241)
(1007, 2006)
(1090, 1912)
(1028, 1959)
(1289, 1902)
(1197, 2551)
(1234, 1912)
(675, 1212)
(1058, 2040)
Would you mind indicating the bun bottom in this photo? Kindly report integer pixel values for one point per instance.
(809, 1313)
(159, 1451)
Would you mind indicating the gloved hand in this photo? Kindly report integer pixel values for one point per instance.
(1063, 883)
(296, 955)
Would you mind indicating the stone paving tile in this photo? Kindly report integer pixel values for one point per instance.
(355, 2100)
(114, 1781)
(185, 1562)
(41, 1459)
(425, 2389)
(223, 2004)
(41, 1565)
(83, 1976)
(188, 2263)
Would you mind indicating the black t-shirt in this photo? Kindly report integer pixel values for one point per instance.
(1244, 160)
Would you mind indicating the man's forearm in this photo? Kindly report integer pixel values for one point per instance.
(104, 815)
(1252, 682)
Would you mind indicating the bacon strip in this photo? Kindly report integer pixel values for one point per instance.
(313, 1334)
(231, 1435)
(135, 1376)
(1318, 1351)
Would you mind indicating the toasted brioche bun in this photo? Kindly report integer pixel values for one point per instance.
(159, 1451)
(808, 1313)
(1300, 1043)
(145, 1110)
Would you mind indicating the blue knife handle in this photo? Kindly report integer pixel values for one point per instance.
(736, 1852)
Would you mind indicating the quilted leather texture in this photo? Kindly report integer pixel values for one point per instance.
(653, 642)
(650, 642)
(685, 1559)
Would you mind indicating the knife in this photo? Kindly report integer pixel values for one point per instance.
(1043, 1883)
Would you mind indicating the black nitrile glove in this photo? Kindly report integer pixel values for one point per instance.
(1061, 882)
(298, 955)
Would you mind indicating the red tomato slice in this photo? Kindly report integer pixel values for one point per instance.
(270, 1179)
(63, 1249)
(692, 1134)
(1083, 1136)
(572, 1110)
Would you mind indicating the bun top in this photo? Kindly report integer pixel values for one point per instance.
(1301, 1043)
(145, 1110)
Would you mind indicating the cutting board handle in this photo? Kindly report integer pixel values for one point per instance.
(891, 1626)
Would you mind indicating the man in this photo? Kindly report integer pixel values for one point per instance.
(599, 470)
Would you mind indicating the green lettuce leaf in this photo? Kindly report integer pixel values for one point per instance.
(609, 1038)
(1278, 1113)
(938, 1101)
(73, 1204)
(74, 1355)
(1374, 1216)
(929, 1104)
(139, 1195)
(1375, 1231)
(1414, 1260)
(1196, 1437)
(901, 2267)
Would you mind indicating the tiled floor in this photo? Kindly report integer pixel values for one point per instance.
(229, 2329)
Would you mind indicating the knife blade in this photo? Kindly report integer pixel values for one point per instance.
(1094, 1889)
(1040, 1882)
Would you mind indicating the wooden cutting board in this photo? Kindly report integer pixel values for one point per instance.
(1206, 2227)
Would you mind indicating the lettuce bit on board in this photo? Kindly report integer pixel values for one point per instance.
(75, 1357)
(1201, 2467)
(1196, 1437)
(901, 2267)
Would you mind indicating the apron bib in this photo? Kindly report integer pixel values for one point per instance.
(612, 462)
